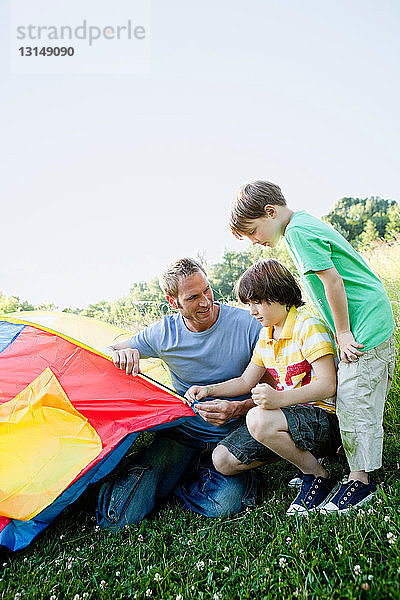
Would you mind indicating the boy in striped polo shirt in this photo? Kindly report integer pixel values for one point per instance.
(295, 416)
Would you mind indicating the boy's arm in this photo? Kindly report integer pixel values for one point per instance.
(336, 295)
(324, 386)
(238, 386)
(220, 411)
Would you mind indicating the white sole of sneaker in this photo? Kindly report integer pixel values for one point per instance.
(334, 510)
(301, 510)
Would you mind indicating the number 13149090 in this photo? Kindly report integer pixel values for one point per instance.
(46, 51)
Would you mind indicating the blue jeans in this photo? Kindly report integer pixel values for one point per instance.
(179, 465)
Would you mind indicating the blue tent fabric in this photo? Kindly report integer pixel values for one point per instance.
(8, 333)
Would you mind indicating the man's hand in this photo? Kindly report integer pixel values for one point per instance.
(217, 412)
(266, 397)
(349, 348)
(196, 392)
(127, 359)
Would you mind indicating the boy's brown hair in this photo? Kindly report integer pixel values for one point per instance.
(269, 281)
(250, 201)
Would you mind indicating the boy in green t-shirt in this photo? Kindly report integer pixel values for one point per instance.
(354, 303)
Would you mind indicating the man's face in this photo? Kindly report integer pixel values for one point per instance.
(196, 302)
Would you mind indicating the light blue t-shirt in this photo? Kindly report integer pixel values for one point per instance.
(217, 354)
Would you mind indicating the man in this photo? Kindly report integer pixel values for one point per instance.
(204, 342)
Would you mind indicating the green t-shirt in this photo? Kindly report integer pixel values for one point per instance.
(315, 246)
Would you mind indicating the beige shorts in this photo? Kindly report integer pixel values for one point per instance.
(363, 386)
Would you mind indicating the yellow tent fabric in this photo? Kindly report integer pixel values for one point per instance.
(89, 333)
(44, 443)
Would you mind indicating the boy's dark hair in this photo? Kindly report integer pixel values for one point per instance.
(269, 281)
(250, 201)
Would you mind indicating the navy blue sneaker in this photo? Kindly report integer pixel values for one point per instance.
(351, 495)
(315, 492)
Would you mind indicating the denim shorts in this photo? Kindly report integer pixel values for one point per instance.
(311, 428)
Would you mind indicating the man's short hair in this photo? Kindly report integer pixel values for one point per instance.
(176, 272)
(269, 281)
(250, 201)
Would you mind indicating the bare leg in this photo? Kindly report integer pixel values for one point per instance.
(359, 476)
(227, 464)
(270, 427)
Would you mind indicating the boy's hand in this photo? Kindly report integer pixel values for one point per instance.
(266, 397)
(349, 348)
(196, 392)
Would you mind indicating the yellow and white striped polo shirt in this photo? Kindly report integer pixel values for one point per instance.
(303, 339)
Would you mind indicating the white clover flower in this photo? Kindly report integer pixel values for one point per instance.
(192, 587)
(77, 597)
(288, 540)
(282, 562)
(226, 569)
(216, 596)
(200, 565)
(301, 552)
(53, 597)
(149, 592)
(103, 584)
(392, 539)
(179, 596)
(97, 528)
(386, 519)
(140, 537)
(340, 548)
(190, 542)
(117, 573)
(370, 577)
(62, 536)
(157, 577)
(357, 570)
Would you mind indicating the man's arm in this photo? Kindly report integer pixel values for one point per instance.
(337, 298)
(324, 386)
(124, 357)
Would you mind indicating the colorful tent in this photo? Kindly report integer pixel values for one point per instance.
(67, 415)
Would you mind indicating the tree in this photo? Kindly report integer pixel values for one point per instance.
(370, 234)
(359, 219)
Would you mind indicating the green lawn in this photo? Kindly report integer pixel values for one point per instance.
(257, 554)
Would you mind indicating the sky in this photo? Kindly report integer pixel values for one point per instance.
(109, 176)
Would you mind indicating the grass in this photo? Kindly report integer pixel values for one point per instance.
(259, 554)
